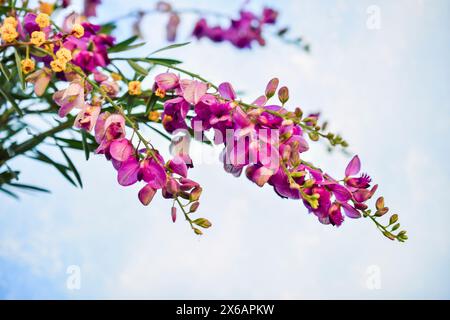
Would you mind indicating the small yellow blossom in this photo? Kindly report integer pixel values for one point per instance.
(46, 7)
(28, 65)
(43, 20)
(64, 55)
(9, 33)
(154, 116)
(49, 47)
(160, 93)
(37, 38)
(116, 76)
(134, 88)
(58, 65)
(11, 20)
(78, 30)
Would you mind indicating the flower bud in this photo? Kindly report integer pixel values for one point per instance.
(298, 112)
(271, 87)
(146, 194)
(380, 203)
(202, 222)
(314, 136)
(194, 206)
(381, 212)
(393, 219)
(198, 231)
(389, 235)
(173, 213)
(195, 194)
(283, 95)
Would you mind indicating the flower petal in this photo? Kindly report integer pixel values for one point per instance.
(227, 91)
(121, 149)
(353, 167)
(195, 91)
(128, 172)
(146, 194)
(350, 211)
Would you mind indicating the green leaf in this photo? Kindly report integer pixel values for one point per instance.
(5, 71)
(85, 144)
(38, 52)
(162, 60)
(72, 167)
(19, 69)
(16, 107)
(28, 187)
(158, 131)
(172, 46)
(107, 28)
(9, 193)
(60, 167)
(136, 67)
(123, 46)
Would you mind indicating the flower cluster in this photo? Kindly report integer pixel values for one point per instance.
(242, 32)
(265, 140)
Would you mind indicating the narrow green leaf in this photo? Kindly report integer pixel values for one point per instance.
(9, 193)
(72, 167)
(136, 67)
(5, 71)
(14, 104)
(85, 144)
(29, 187)
(60, 167)
(172, 46)
(19, 69)
(124, 45)
(162, 60)
(158, 131)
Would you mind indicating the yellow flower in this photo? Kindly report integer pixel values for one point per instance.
(134, 88)
(28, 65)
(37, 38)
(78, 30)
(43, 20)
(46, 7)
(154, 116)
(58, 65)
(9, 33)
(64, 55)
(160, 93)
(11, 20)
(116, 76)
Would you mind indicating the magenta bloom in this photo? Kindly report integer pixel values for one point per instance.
(174, 115)
(148, 170)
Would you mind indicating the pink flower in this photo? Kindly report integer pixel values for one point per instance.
(167, 81)
(108, 127)
(69, 98)
(40, 79)
(87, 117)
(194, 90)
(121, 149)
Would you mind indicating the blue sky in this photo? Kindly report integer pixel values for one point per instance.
(387, 91)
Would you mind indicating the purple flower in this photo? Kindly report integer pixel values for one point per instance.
(174, 115)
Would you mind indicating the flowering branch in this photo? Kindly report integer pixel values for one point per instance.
(266, 140)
